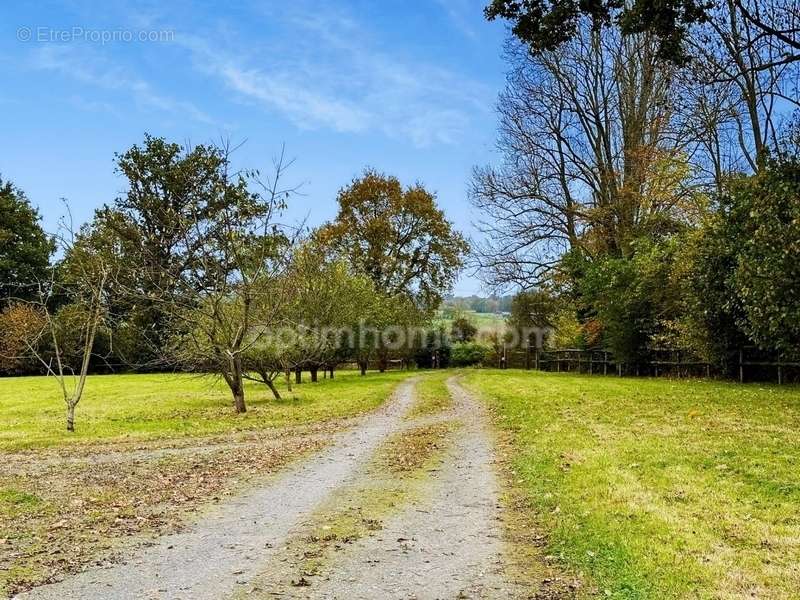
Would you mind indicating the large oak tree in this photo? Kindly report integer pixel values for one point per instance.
(397, 236)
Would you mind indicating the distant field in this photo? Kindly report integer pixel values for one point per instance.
(658, 488)
(173, 405)
(480, 319)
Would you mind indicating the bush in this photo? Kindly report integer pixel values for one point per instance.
(743, 266)
(765, 208)
(463, 329)
(468, 354)
(20, 324)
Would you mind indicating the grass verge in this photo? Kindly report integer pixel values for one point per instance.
(57, 518)
(432, 396)
(654, 488)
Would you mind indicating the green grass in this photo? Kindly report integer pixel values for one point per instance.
(658, 488)
(14, 501)
(133, 407)
(431, 395)
(481, 320)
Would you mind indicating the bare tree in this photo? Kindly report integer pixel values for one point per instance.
(744, 81)
(582, 129)
(777, 19)
(81, 282)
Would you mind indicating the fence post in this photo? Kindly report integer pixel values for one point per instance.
(780, 375)
(741, 366)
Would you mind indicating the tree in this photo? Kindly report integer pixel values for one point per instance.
(762, 215)
(326, 304)
(463, 329)
(25, 248)
(232, 290)
(376, 313)
(149, 231)
(711, 310)
(402, 324)
(64, 342)
(533, 315)
(632, 301)
(328, 301)
(739, 87)
(19, 322)
(396, 236)
(776, 19)
(593, 155)
(545, 25)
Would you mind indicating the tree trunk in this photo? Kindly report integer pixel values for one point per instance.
(87, 356)
(298, 375)
(331, 372)
(236, 383)
(238, 401)
(70, 417)
(271, 386)
(313, 372)
(289, 379)
(363, 366)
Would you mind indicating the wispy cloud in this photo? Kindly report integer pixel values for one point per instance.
(319, 68)
(94, 71)
(345, 82)
(301, 104)
(457, 11)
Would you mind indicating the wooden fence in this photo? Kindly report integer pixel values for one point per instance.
(748, 363)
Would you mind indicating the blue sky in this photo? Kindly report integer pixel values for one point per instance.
(405, 87)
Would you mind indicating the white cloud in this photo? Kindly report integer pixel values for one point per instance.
(318, 68)
(330, 73)
(93, 71)
(303, 106)
(457, 11)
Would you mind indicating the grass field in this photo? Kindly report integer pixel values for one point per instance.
(657, 488)
(148, 451)
(172, 405)
(481, 320)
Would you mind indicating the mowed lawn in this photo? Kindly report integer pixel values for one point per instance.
(655, 488)
(147, 406)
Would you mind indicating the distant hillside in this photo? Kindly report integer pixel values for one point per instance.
(486, 313)
(478, 304)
